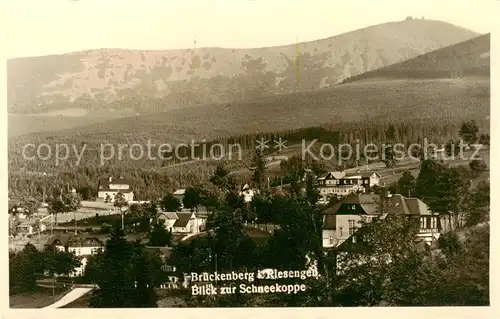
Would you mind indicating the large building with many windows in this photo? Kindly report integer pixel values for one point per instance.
(341, 184)
(342, 220)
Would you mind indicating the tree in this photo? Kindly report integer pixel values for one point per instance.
(23, 269)
(477, 166)
(56, 206)
(312, 193)
(193, 255)
(427, 178)
(476, 204)
(64, 204)
(389, 156)
(120, 201)
(449, 190)
(86, 193)
(380, 267)
(229, 243)
(222, 179)
(147, 275)
(126, 274)
(406, 184)
(484, 139)
(258, 166)
(293, 168)
(93, 267)
(192, 198)
(170, 204)
(469, 132)
(159, 236)
(461, 276)
(59, 262)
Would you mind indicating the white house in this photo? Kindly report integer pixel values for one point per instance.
(179, 194)
(183, 222)
(341, 184)
(110, 187)
(82, 246)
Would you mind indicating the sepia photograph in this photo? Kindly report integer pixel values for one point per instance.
(248, 153)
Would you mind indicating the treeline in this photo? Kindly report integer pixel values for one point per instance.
(151, 178)
(375, 131)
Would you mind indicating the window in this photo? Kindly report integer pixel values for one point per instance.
(434, 222)
(330, 240)
(353, 207)
(352, 227)
(353, 239)
(423, 223)
(341, 231)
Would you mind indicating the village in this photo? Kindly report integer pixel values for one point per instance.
(348, 197)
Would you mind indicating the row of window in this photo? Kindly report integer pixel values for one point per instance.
(347, 182)
(336, 190)
(78, 251)
(426, 222)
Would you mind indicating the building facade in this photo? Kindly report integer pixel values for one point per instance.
(341, 184)
(81, 246)
(342, 220)
(109, 187)
(183, 222)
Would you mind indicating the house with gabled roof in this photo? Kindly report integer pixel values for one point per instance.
(341, 184)
(82, 246)
(341, 221)
(109, 187)
(183, 222)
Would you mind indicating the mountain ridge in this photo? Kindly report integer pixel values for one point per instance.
(99, 79)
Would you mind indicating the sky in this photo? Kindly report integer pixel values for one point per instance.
(43, 27)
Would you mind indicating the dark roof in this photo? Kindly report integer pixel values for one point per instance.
(104, 184)
(72, 240)
(394, 204)
(166, 252)
(183, 219)
(330, 217)
(361, 199)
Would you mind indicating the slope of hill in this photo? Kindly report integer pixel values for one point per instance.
(126, 79)
(449, 100)
(470, 58)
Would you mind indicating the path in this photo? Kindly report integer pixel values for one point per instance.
(191, 235)
(70, 297)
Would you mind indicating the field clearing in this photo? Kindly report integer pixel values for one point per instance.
(39, 298)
